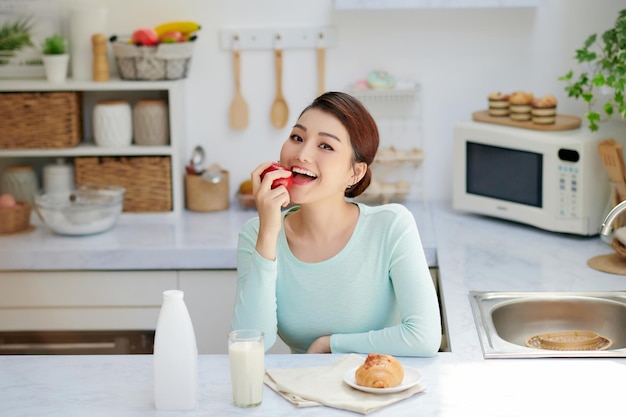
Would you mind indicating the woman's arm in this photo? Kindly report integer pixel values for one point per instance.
(255, 302)
(419, 333)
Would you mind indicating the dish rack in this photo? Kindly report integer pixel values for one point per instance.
(393, 102)
(396, 172)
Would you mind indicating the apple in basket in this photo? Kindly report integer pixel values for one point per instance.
(7, 201)
(172, 37)
(145, 37)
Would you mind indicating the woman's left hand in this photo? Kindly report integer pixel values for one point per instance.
(320, 345)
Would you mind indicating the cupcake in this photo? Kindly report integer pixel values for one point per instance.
(544, 110)
(519, 106)
(498, 104)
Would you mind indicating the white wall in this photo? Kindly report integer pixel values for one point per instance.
(458, 55)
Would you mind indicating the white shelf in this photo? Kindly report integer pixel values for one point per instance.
(91, 93)
(87, 150)
(24, 85)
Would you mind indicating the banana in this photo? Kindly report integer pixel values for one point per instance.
(182, 26)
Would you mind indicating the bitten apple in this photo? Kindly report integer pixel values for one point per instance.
(145, 37)
(287, 182)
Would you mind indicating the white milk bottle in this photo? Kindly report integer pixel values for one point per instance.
(247, 366)
(175, 356)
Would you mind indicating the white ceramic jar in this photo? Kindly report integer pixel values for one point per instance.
(19, 181)
(58, 177)
(112, 124)
(150, 123)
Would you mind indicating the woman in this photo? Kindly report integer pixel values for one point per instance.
(329, 275)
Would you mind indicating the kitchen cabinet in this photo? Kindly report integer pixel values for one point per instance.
(210, 298)
(90, 300)
(92, 92)
(123, 300)
(119, 300)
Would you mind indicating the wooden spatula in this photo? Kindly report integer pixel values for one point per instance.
(238, 112)
(321, 66)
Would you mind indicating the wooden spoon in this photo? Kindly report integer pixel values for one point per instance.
(279, 112)
(238, 112)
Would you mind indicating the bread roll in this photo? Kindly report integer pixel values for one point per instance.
(379, 371)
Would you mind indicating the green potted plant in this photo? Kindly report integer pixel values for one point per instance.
(603, 80)
(55, 58)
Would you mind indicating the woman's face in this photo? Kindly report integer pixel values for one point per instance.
(320, 156)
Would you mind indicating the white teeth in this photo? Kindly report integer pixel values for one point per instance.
(303, 172)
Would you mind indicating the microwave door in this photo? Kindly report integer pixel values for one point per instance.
(504, 174)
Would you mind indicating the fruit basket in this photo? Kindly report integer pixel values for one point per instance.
(165, 61)
(15, 219)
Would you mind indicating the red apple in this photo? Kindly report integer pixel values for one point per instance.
(172, 37)
(287, 182)
(145, 37)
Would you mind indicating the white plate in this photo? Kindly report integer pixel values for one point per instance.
(412, 377)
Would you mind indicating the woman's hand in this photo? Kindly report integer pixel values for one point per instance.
(320, 345)
(269, 203)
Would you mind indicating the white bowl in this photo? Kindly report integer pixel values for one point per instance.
(84, 211)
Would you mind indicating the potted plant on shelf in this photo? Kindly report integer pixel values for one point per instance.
(604, 79)
(55, 58)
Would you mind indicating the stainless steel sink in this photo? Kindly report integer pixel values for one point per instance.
(505, 320)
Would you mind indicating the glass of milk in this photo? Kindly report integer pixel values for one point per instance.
(247, 366)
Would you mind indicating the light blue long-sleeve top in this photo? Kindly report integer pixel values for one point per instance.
(375, 295)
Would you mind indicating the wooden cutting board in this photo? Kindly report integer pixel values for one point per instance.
(563, 121)
(611, 263)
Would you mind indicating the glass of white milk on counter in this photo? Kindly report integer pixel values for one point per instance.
(247, 366)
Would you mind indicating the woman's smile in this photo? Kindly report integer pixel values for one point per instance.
(302, 176)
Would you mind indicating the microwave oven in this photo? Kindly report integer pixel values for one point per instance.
(552, 180)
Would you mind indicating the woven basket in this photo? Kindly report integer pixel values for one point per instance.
(40, 120)
(204, 196)
(147, 179)
(166, 61)
(15, 219)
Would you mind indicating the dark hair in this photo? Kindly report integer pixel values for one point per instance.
(361, 128)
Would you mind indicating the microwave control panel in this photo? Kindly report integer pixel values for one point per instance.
(568, 190)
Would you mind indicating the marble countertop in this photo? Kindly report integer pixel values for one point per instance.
(142, 242)
(78, 386)
(472, 253)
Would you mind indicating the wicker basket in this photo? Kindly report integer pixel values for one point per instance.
(147, 179)
(40, 120)
(204, 196)
(166, 61)
(15, 219)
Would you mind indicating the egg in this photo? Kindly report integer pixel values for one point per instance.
(7, 201)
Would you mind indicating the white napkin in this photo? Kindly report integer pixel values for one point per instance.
(324, 385)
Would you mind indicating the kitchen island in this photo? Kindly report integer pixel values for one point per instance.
(471, 252)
